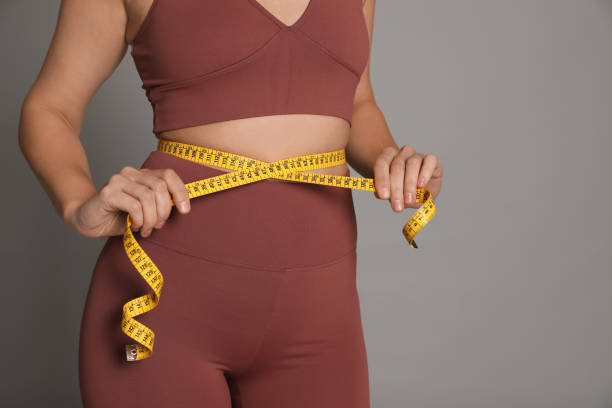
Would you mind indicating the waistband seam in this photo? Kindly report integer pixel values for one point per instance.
(251, 266)
(323, 264)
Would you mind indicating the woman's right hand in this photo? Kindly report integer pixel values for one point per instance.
(144, 194)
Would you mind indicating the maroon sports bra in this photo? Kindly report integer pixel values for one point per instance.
(205, 61)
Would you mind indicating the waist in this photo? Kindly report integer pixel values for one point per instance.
(261, 225)
(270, 138)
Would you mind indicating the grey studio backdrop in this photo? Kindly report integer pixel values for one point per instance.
(508, 300)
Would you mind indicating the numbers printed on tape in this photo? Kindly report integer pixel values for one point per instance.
(246, 170)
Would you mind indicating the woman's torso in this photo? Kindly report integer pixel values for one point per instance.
(266, 138)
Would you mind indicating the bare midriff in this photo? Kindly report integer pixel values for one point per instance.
(271, 138)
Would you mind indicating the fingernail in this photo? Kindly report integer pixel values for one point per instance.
(397, 204)
(384, 191)
(158, 226)
(145, 233)
(183, 206)
(421, 182)
(409, 198)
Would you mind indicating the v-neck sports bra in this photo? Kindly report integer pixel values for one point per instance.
(205, 61)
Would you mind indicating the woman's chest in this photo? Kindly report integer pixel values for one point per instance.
(181, 39)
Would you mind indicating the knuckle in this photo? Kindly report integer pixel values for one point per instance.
(395, 184)
(380, 161)
(397, 163)
(135, 209)
(391, 152)
(148, 194)
(148, 223)
(142, 191)
(160, 185)
(164, 216)
(380, 165)
(152, 220)
(115, 178)
(168, 173)
(126, 170)
(106, 192)
(413, 159)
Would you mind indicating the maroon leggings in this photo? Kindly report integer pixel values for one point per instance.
(259, 307)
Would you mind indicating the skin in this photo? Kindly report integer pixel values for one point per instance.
(91, 39)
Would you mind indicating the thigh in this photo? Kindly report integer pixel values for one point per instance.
(176, 375)
(313, 354)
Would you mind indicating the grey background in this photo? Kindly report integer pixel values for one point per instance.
(506, 303)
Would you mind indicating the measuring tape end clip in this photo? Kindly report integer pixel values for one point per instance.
(135, 352)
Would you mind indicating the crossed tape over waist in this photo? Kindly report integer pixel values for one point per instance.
(246, 170)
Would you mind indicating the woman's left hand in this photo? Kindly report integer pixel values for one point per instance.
(398, 173)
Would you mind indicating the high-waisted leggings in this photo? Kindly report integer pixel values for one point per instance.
(259, 307)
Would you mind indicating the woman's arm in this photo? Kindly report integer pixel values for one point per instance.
(368, 120)
(373, 152)
(86, 47)
(88, 44)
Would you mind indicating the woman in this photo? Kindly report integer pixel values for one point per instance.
(260, 307)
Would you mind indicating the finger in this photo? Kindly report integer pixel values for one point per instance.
(398, 168)
(177, 189)
(159, 187)
(430, 162)
(413, 167)
(146, 196)
(162, 197)
(381, 173)
(112, 196)
(131, 206)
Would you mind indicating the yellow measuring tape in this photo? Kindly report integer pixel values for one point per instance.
(246, 170)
